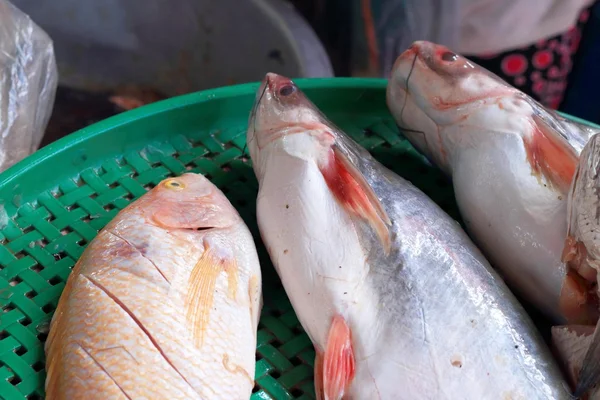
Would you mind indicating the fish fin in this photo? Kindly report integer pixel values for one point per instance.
(201, 289)
(570, 343)
(338, 360)
(355, 194)
(589, 375)
(319, 376)
(551, 155)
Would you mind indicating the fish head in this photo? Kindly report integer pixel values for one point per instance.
(283, 119)
(189, 201)
(431, 86)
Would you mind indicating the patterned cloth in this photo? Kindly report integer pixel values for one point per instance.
(542, 69)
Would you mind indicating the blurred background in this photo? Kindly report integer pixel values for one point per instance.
(115, 55)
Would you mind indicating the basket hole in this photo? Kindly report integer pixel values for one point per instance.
(149, 186)
(26, 321)
(109, 207)
(20, 351)
(42, 336)
(276, 343)
(128, 197)
(56, 194)
(256, 389)
(31, 294)
(66, 230)
(244, 159)
(55, 280)
(48, 308)
(60, 256)
(93, 195)
(34, 396)
(43, 242)
(368, 132)
(296, 361)
(189, 167)
(208, 176)
(28, 229)
(258, 356)
(37, 268)
(8, 308)
(20, 255)
(297, 330)
(275, 374)
(14, 380)
(79, 181)
(226, 167)
(114, 185)
(38, 366)
(82, 242)
(276, 313)
(15, 281)
(3, 334)
(386, 145)
(297, 392)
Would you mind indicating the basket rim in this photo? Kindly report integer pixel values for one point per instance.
(176, 102)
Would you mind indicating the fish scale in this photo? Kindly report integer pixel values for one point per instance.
(163, 303)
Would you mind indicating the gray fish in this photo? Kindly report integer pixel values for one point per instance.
(395, 297)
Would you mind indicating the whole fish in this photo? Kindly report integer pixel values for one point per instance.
(511, 161)
(163, 304)
(396, 299)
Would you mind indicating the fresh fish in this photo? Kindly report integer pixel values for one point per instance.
(511, 162)
(582, 248)
(163, 304)
(396, 299)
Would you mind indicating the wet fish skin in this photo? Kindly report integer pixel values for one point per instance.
(423, 318)
(163, 303)
(511, 162)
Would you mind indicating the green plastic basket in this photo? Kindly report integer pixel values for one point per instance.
(57, 200)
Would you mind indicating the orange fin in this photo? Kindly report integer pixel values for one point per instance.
(551, 155)
(338, 360)
(201, 288)
(319, 376)
(354, 193)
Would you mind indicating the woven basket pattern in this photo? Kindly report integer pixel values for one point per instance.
(41, 240)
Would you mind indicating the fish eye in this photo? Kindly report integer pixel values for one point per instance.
(287, 90)
(449, 56)
(174, 184)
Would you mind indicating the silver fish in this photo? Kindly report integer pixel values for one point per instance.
(511, 162)
(395, 297)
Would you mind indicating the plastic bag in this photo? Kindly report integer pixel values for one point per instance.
(28, 80)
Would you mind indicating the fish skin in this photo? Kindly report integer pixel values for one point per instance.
(431, 320)
(511, 162)
(121, 329)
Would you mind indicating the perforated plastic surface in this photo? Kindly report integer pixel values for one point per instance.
(54, 203)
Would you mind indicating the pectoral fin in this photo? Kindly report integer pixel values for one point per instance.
(201, 288)
(550, 155)
(338, 360)
(355, 194)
